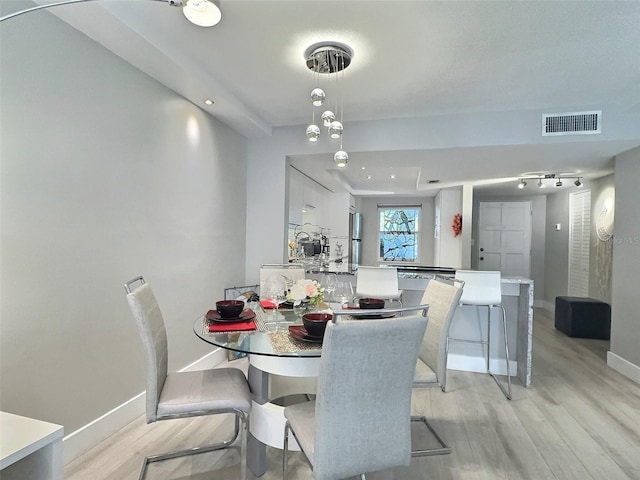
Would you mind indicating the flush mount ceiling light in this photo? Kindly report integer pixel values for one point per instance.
(328, 59)
(199, 12)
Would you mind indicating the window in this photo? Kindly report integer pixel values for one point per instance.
(399, 230)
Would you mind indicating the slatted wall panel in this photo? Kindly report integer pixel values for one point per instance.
(579, 237)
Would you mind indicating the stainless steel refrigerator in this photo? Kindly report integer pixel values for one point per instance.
(355, 236)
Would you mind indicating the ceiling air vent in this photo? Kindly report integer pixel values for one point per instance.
(573, 123)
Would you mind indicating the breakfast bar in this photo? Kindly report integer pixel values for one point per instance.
(517, 299)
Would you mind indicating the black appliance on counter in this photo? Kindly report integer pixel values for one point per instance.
(311, 247)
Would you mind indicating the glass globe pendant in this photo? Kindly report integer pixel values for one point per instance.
(327, 118)
(317, 97)
(335, 129)
(313, 133)
(341, 158)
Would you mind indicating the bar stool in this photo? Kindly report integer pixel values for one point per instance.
(483, 289)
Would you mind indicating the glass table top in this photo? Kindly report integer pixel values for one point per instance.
(278, 333)
(271, 337)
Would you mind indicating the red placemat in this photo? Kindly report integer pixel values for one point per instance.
(232, 326)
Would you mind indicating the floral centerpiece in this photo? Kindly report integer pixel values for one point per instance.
(305, 291)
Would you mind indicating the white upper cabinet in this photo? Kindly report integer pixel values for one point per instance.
(296, 196)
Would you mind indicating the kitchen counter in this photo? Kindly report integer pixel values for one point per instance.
(517, 298)
(404, 271)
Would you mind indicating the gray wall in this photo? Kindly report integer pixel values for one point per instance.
(369, 208)
(557, 244)
(106, 174)
(556, 248)
(625, 328)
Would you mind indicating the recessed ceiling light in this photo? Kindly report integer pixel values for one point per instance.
(208, 102)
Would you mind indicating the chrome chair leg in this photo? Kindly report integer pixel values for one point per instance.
(442, 450)
(285, 451)
(240, 418)
(507, 391)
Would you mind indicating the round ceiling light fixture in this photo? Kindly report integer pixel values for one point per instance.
(328, 57)
(202, 12)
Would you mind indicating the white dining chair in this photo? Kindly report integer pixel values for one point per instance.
(483, 289)
(378, 282)
(184, 394)
(290, 272)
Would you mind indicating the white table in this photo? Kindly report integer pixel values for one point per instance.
(29, 449)
(272, 375)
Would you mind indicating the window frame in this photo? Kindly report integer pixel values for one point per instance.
(417, 219)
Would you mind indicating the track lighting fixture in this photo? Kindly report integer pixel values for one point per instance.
(558, 180)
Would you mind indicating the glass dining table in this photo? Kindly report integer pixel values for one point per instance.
(283, 365)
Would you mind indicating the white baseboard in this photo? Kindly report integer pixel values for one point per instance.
(94, 432)
(468, 363)
(623, 366)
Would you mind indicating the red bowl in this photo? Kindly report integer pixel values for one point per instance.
(229, 308)
(315, 323)
(373, 303)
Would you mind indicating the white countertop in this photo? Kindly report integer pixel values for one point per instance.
(21, 436)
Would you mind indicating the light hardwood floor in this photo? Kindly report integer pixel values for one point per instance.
(579, 420)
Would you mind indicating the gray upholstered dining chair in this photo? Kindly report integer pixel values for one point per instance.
(360, 419)
(431, 366)
(184, 394)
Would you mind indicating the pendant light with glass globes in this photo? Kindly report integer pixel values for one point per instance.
(328, 58)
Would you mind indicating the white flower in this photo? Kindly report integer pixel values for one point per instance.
(297, 293)
(305, 290)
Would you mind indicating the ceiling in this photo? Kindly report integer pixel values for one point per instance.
(412, 59)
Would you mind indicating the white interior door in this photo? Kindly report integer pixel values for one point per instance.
(504, 231)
